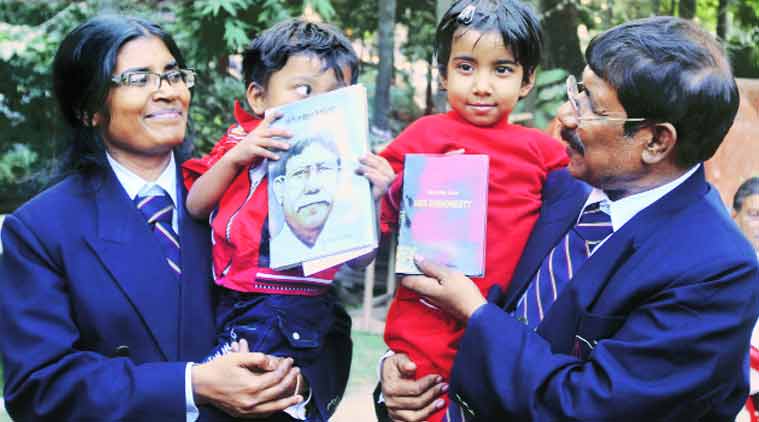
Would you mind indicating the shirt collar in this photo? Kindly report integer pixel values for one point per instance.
(134, 184)
(625, 209)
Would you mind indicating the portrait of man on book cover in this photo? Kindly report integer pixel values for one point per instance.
(320, 209)
(305, 183)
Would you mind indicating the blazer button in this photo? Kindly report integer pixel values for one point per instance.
(122, 351)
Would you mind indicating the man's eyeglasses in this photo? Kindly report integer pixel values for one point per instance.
(299, 175)
(144, 78)
(573, 93)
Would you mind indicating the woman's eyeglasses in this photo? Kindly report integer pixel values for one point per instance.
(147, 79)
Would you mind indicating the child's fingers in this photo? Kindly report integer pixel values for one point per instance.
(269, 117)
(263, 152)
(273, 132)
(272, 144)
(376, 161)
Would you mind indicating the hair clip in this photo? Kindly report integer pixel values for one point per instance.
(466, 15)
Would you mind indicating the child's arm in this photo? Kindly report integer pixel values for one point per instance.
(208, 189)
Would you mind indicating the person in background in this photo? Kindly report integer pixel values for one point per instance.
(746, 210)
(746, 215)
(104, 280)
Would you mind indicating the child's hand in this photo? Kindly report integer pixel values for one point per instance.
(259, 143)
(378, 171)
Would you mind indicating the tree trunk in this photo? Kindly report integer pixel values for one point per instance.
(562, 45)
(655, 7)
(385, 35)
(429, 105)
(441, 98)
(686, 9)
(722, 19)
(609, 15)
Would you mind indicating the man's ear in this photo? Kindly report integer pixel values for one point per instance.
(278, 186)
(661, 145)
(443, 82)
(255, 95)
(527, 86)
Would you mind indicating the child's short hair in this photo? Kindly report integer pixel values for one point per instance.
(516, 21)
(269, 51)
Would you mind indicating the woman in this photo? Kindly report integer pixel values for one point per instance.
(104, 309)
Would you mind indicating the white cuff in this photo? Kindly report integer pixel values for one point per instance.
(191, 409)
(753, 377)
(298, 411)
(380, 397)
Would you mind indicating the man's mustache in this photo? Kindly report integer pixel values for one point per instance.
(312, 202)
(574, 141)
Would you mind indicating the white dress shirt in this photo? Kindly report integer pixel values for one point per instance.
(623, 210)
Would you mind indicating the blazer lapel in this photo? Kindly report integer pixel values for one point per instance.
(607, 265)
(196, 313)
(563, 198)
(130, 252)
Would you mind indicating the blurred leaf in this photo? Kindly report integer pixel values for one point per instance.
(551, 76)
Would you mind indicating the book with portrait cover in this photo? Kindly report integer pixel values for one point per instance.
(321, 213)
(443, 214)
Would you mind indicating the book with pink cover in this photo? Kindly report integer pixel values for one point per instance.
(443, 213)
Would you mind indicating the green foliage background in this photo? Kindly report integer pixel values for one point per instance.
(209, 31)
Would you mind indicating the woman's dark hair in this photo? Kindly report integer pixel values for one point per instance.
(82, 72)
(748, 188)
(668, 69)
(269, 51)
(515, 21)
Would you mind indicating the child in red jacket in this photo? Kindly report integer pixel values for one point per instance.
(487, 53)
(282, 313)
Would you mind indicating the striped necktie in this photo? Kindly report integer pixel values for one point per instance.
(555, 271)
(158, 211)
(562, 263)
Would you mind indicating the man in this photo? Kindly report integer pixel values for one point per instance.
(304, 182)
(746, 215)
(746, 210)
(648, 321)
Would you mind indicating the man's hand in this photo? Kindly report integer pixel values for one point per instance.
(406, 399)
(246, 384)
(378, 171)
(448, 289)
(259, 143)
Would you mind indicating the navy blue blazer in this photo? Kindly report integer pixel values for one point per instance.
(96, 327)
(654, 326)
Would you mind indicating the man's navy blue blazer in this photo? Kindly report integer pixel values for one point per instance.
(96, 327)
(654, 326)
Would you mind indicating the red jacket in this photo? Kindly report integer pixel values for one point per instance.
(239, 226)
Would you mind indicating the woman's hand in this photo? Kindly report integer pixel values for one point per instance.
(259, 143)
(378, 171)
(247, 384)
(448, 289)
(301, 385)
(408, 399)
